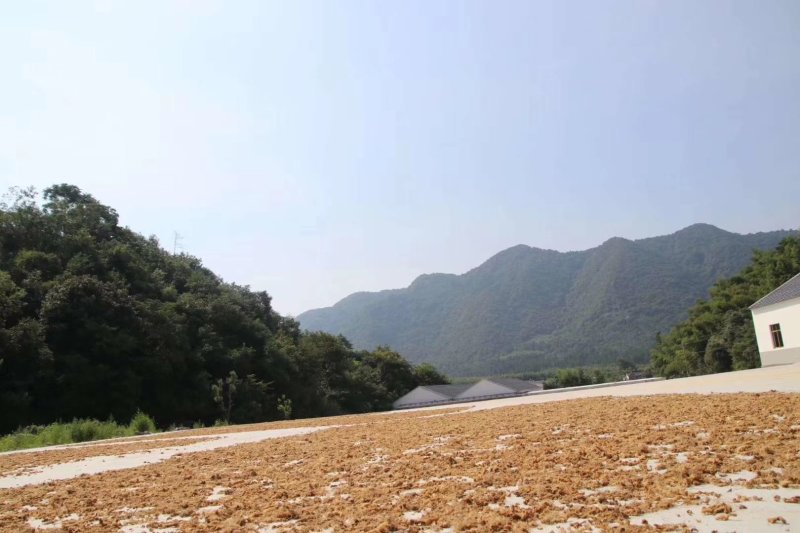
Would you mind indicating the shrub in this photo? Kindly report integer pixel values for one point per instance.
(142, 423)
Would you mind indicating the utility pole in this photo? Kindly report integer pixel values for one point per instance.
(176, 243)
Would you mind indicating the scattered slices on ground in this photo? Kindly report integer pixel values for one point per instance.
(597, 464)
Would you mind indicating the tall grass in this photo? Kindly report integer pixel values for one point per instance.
(79, 430)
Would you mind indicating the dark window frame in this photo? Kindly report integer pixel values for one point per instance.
(777, 336)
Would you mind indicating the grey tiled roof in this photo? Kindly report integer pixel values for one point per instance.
(517, 385)
(450, 391)
(788, 291)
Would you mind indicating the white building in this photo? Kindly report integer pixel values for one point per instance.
(499, 388)
(483, 390)
(430, 395)
(776, 318)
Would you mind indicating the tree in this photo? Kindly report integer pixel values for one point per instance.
(718, 336)
(99, 321)
(224, 390)
(427, 374)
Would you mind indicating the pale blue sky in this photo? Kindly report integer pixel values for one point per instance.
(313, 149)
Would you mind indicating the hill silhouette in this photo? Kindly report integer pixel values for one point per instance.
(528, 309)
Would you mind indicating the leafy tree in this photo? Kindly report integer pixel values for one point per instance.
(97, 321)
(427, 374)
(718, 336)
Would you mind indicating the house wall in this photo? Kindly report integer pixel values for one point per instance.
(484, 388)
(787, 314)
(418, 396)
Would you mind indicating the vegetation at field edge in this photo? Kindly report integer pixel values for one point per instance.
(79, 430)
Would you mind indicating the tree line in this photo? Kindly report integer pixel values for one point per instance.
(718, 336)
(97, 321)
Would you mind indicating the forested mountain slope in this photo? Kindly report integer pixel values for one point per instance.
(528, 309)
(718, 335)
(98, 321)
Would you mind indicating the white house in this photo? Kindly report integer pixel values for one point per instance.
(776, 318)
(499, 387)
(429, 395)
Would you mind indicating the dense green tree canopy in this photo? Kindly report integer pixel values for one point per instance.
(97, 321)
(718, 335)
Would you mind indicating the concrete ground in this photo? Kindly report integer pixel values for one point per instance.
(784, 378)
(777, 378)
(760, 508)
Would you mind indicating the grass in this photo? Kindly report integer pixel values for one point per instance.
(79, 430)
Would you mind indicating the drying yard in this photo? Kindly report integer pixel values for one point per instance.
(637, 457)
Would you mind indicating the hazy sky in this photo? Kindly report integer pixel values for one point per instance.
(313, 149)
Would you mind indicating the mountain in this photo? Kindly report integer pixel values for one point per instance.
(527, 309)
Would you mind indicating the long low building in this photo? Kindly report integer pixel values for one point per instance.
(484, 389)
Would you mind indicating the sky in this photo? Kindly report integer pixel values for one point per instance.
(315, 149)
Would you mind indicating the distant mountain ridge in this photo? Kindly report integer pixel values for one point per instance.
(525, 308)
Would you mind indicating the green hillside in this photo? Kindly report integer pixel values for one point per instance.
(97, 321)
(718, 335)
(527, 309)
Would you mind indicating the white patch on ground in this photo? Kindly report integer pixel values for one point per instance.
(510, 489)
(767, 431)
(172, 518)
(744, 475)
(681, 457)
(460, 479)
(411, 492)
(377, 459)
(652, 466)
(99, 464)
(601, 490)
(330, 490)
(511, 500)
(571, 524)
(747, 514)
(218, 493)
(144, 528)
(38, 524)
(510, 436)
(413, 516)
(516, 501)
(745, 458)
(129, 510)
(683, 424)
(293, 463)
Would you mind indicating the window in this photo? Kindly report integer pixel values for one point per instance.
(777, 338)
